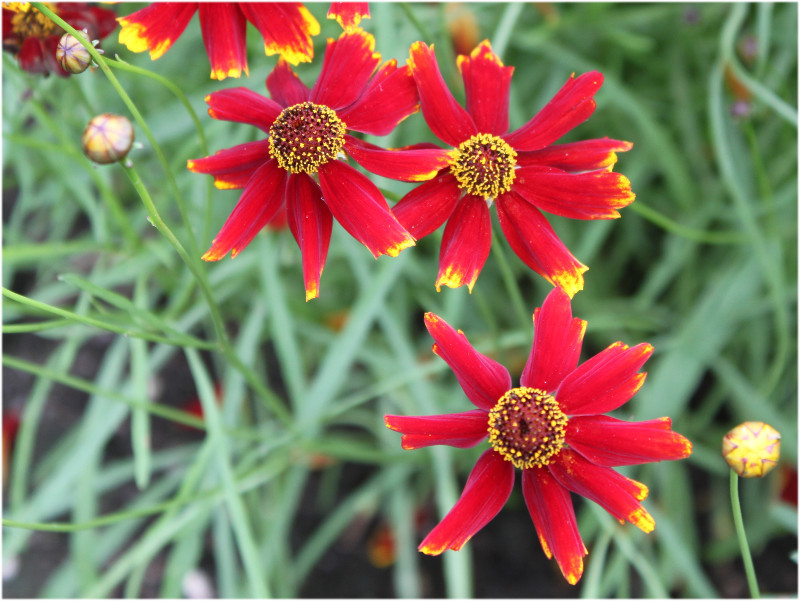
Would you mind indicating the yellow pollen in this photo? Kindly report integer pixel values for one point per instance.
(527, 427)
(305, 136)
(484, 166)
(28, 22)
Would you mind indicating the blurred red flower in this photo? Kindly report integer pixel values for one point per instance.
(33, 38)
(551, 427)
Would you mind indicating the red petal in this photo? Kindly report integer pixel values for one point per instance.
(259, 202)
(105, 22)
(359, 207)
(31, 56)
(390, 97)
(486, 83)
(466, 243)
(428, 206)
(155, 27)
(349, 63)
(557, 340)
(232, 167)
(608, 441)
(592, 195)
(550, 506)
(488, 487)
(615, 493)
(98, 22)
(447, 119)
(572, 105)
(538, 246)
(243, 106)
(460, 430)
(348, 14)
(224, 35)
(310, 222)
(405, 165)
(287, 28)
(285, 87)
(606, 381)
(483, 379)
(588, 155)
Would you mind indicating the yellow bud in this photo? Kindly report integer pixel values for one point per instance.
(72, 55)
(752, 449)
(107, 138)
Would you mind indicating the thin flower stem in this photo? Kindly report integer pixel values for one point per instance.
(98, 58)
(73, 317)
(738, 523)
(155, 218)
(512, 286)
(118, 63)
(53, 374)
(673, 227)
(225, 347)
(124, 66)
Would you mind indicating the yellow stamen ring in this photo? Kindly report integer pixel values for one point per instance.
(527, 427)
(306, 136)
(484, 166)
(29, 22)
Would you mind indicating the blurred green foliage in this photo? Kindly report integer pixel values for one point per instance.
(703, 265)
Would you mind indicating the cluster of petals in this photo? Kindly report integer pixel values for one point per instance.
(33, 38)
(365, 96)
(572, 180)
(593, 443)
(287, 29)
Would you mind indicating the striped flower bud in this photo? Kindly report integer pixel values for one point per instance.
(107, 138)
(72, 55)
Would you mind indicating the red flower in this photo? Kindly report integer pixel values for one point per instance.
(551, 427)
(287, 28)
(307, 131)
(523, 171)
(33, 38)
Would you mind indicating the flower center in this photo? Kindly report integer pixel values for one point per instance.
(484, 166)
(305, 136)
(28, 22)
(527, 427)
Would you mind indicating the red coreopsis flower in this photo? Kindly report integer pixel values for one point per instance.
(523, 172)
(287, 28)
(307, 131)
(551, 427)
(33, 38)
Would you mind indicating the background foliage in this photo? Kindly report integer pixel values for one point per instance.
(284, 487)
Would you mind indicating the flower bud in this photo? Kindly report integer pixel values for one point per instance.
(107, 138)
(72, 55)
(752, 449)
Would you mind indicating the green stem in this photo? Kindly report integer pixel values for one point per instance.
(740, 533)
(673, 227)
(121, 64)
(156, 219)
(101, 62)
(512, 286)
